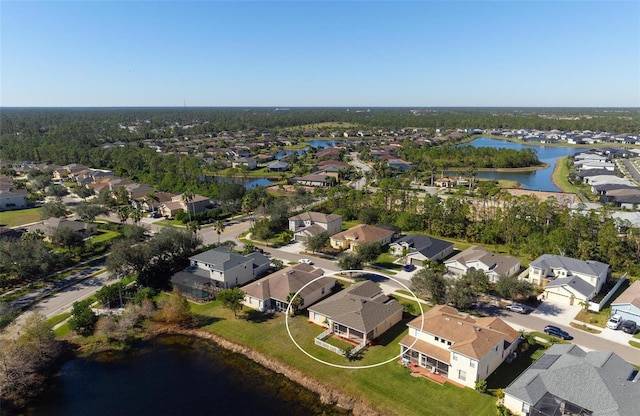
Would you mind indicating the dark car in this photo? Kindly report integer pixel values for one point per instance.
(629, 327)
(409, 268)
(556, 332)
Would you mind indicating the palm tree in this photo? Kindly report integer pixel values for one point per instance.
(123, 213)
(219, 227)
(187, 197)
(472, 171)
(136, 215)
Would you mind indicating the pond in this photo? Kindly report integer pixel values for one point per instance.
(539, 180)
(174, 375)
(248, 182)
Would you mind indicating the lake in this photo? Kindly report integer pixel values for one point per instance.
(539, 180)
(174, 375)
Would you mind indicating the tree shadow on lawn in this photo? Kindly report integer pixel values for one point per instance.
(202, 320)
(257, 316)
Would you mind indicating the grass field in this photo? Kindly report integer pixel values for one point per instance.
(19, 217)
(388, 387)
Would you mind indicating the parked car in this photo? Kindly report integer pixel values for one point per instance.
(629, 327)
(517, 307)
(409, 268)
(306, 261)
(614, 322)
(556, 332)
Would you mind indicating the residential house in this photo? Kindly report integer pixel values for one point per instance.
(50, 225)
(227, 269)
(13, 199)
(360, 312)
(138, 190)
(250, 162)
(197, 204)
(627, 304)
(463, 348)
(313, 223)
(479, 258)
(445, 182)
(316, 180)
(359, 234)
(278, 166)
(567, 279)
(418, 248)
(272, 292)
(566, 380)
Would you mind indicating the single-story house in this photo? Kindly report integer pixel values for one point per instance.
(278, 166)
(479, 258)
(226, 268)
(359, 234)
(462, 348)
(627, 304)
(418, 248)
(567, 279)
(50, 225)
(315, 180)
(313, 223)
(272, 292)
(360, 312)
(566, 380)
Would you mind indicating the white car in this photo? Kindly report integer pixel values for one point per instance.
(614, 322)
(305, 261)
(517, 307)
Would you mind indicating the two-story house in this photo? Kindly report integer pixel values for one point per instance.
(462, 348)
(567, 279)
(313, 223)
(227, 269)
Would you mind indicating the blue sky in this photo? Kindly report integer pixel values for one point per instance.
(309, 53)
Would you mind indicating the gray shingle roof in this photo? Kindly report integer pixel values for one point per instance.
(362, 306)
(427, 246)
(221, 258)
(575, 283)
(597, 381)
(588, 267)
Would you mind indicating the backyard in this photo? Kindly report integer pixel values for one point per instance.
(388, 387)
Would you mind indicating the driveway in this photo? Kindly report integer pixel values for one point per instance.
(556, 312)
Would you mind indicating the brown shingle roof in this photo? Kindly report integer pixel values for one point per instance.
(471, 337)
(631, 295)
(280, 284)
(363, 233)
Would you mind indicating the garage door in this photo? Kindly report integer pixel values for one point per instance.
(556, 297)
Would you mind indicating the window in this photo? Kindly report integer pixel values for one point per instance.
(462, 375)
(448, 342)
(437, 338)
(472, 364)
(454, 357)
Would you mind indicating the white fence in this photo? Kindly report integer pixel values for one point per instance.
(597, 307)
(319, 342)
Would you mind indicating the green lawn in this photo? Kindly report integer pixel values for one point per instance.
(19, 217)
(104, 236)
(388, 387)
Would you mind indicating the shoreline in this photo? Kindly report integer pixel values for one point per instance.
(328, 394)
